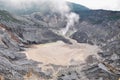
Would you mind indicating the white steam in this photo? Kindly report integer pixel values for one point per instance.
(59, 6)
(25, 4)
(64, 10)
(72, 18)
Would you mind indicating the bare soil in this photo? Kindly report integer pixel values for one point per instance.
(60, 53)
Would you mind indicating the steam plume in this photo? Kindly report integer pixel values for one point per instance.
(59, 6)
(72, 19)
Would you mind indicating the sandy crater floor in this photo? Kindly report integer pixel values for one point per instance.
(60, 53)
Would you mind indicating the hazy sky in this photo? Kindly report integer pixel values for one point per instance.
(100, 4)
(93, 4)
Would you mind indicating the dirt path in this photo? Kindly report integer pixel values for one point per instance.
(60, 53)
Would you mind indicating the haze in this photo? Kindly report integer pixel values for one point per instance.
(100, 4)
(92, 4)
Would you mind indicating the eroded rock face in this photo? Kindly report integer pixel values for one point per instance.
(19, 33)
(81, 37)
(13, 64)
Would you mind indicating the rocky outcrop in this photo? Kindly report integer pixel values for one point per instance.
(14, 38)
(13, 63)
(97, 27)
(106, 34)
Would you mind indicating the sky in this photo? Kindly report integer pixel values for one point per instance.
(92, 4)
(100, 4)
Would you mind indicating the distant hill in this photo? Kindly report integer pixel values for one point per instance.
(77, 7)
(36, 8)
(95, 27)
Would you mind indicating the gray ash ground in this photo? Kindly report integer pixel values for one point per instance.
(99, 27)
